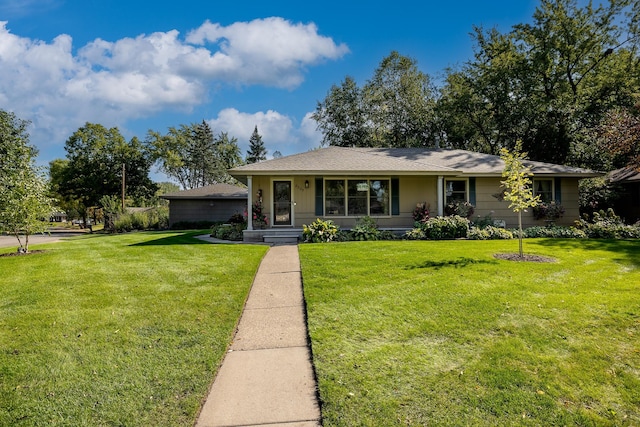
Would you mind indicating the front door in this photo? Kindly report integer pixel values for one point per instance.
(282, 203)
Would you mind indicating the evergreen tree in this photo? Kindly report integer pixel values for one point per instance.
(257, 152)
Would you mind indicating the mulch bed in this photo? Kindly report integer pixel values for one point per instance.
(524, 258)
(22, 253)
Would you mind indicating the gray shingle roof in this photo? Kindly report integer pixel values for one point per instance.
(215, 191)
(397, 161)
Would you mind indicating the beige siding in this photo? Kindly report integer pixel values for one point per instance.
(414, 190)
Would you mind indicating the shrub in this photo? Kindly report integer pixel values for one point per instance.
(123, 223)
(320, 231)
(446, 227)
(365, 229)
(483, 222)
(554, 232)
(421, 212)
(231, 232)
(607, 225)
(490, 233)
(414, 234)
(459, 208)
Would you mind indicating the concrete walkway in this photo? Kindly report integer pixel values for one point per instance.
(266, 379)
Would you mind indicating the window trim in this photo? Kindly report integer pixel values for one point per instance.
(346, 180)
(466, 188)
(552, 190)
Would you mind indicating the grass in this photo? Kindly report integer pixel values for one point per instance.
(442, 333)
(117, 330)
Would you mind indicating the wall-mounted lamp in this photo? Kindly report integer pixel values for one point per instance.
(306, 183)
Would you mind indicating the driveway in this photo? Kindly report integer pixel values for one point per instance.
(54, 236)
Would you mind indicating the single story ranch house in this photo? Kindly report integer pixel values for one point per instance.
(344, 184)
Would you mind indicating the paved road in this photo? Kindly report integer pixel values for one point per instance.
(9, 241)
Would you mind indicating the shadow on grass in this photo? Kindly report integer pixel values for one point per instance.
(185, 238)
(455, 263)
(628, 251)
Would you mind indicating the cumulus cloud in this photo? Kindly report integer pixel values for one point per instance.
(279, 132)
(112, 82)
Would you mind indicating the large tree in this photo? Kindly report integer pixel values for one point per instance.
(96, 156)
(395, 108)
(24, 202)
(193, 156)
(257, 152)
(547, 83)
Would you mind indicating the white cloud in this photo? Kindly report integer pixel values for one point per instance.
(113, 82)
(279, 132)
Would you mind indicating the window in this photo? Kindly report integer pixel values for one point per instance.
(544, 189)
(334, 197)
(357, 197)
(455, 191)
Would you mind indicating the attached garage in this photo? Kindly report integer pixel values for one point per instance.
(213, 203)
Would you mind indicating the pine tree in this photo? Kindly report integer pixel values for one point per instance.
(257, 152)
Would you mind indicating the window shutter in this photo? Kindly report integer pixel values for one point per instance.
(319, 197)
(558, 190)
(395, 196)
(472, 191)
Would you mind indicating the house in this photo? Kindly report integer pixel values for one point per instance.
(628, 207)
(212, 203)
(344, 184)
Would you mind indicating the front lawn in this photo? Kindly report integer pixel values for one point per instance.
(117, 330)
(441, 332)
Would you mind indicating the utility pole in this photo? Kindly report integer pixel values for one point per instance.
(123, 187)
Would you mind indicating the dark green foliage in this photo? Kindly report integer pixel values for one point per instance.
(445, 227)
(489, 232)
(230, 231)
(320, 231)
(150, 219)
(607, 225)
(257, 152)
(555, 232)
(365, 228)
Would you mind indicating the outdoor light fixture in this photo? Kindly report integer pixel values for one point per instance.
(306, 183)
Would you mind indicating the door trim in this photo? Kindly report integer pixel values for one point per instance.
(291, 201)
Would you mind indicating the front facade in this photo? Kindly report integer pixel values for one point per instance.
(344, 184)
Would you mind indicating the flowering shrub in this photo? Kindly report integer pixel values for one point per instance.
(421, 212)
(446, 227)
(414, 234)
(548, 211)
(320, 231)
(489, 233)
(463, 209)
(259, 218)
(554, 232)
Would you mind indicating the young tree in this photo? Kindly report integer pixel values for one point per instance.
(517, 185)
(24, 201)
(257, 152)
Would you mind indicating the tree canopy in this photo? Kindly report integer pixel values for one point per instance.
(96, 156)
(395, 108)
(193, 156)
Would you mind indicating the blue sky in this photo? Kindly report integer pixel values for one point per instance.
(142, 65)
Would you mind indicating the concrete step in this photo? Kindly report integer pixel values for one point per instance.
(280, 238)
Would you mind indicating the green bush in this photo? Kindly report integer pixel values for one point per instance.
(123, 223)
(489, 232)
(607, 225)
(320, 231)
(231, 232)
(414, 234)
(555, 232)
(446, 227)
(151, 219)
(365, 229)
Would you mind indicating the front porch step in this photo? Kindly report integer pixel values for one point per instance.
(279, 239)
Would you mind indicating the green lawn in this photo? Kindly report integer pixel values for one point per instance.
(442, 333)
(117, 330)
